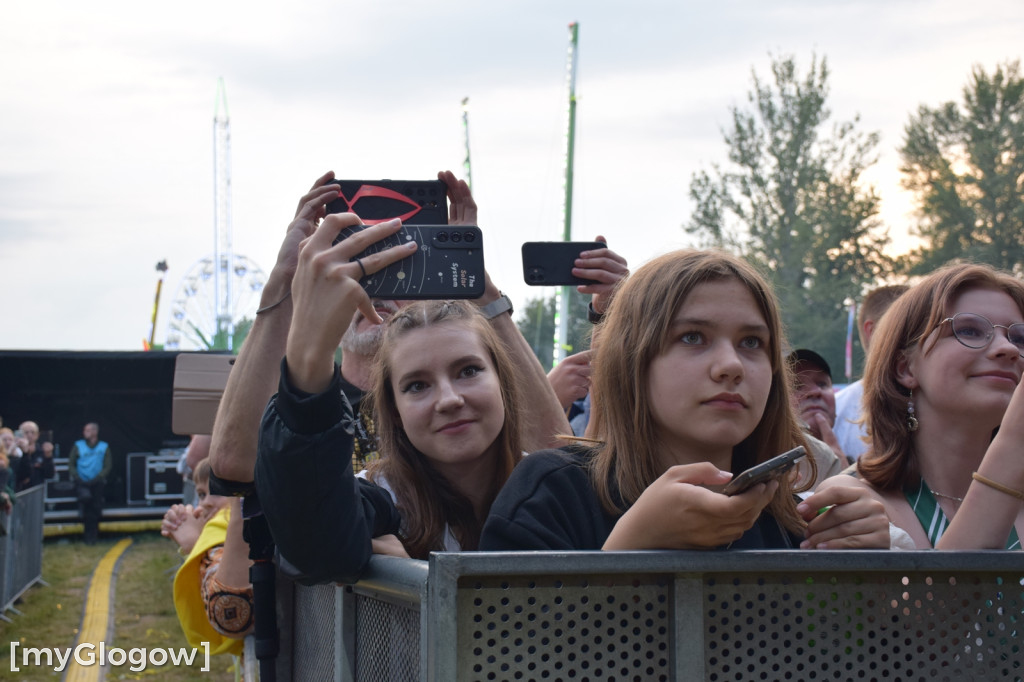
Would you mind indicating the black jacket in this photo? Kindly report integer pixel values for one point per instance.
(549, 503)
(34, 469)
(322, 518)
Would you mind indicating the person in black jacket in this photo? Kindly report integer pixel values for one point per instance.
(36, 464)
(447, 407)
(254, 376)
(689, 387)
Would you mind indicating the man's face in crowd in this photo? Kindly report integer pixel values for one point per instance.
(31, 431)
(362, 336)
(814, 394)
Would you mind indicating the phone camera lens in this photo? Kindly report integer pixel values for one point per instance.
(469, 237)
(456, 236)
(442, 237)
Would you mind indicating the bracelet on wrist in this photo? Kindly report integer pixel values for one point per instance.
(502, 304)
(274, 305)
(998, 486)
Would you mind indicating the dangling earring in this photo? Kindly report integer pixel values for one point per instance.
(911, 419)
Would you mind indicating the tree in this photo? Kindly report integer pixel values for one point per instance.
(220, 338)
(965, 164)
(537, 324)
(791, 202)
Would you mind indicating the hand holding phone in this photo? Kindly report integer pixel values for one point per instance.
(448, 263)
(326, 294)
(764, 472)
(415, 201)
(551, 263)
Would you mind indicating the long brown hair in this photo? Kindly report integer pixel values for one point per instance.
(427, 500)
(635, 331)
(892, 463)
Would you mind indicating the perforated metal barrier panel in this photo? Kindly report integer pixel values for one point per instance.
(851, 626)
(893, 616)
(565, 627)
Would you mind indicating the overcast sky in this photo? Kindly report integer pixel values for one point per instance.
(107, 107)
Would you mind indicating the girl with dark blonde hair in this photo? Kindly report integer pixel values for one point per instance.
(689, 388)
(443, 485)
(942, 378)
(447, 410)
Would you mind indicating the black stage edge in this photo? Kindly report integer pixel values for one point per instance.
(127, 393)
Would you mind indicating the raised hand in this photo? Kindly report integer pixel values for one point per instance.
(462, 208)
(308, 214)
(326, 293)
(570, 378)
(606, 267)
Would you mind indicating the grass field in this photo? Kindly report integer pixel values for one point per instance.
(144, 613)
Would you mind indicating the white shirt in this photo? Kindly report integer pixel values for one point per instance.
(848, 411)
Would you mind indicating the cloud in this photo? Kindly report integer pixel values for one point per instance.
(106, 121)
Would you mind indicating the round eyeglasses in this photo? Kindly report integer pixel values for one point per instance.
(975, 331)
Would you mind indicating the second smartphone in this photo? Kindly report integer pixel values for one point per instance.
(551, 263)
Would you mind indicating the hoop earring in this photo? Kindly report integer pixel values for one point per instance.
(912, 423)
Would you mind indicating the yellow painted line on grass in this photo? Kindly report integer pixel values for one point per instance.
(52, 530)
(96, 622)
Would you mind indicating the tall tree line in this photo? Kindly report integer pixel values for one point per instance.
(965, 164)
(792, 202)
(791, 198)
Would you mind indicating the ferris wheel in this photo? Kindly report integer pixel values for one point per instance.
(193, 320)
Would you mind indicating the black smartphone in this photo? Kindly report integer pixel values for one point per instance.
(551, 263)
(449, 263)
(766, 471)
(423, 202)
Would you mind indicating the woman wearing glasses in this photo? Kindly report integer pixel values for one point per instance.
(945, 413)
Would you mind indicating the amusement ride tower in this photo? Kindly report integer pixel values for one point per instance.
(220, 290)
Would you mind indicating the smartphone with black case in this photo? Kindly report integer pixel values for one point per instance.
(448, 263)
(766, 471)
(551, 263)
(423, 202)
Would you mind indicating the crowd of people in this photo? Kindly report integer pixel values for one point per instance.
(27, 459)
(440, 431)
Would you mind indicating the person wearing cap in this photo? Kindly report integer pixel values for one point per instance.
(814, 398)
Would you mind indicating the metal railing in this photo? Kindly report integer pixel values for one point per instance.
(666, 616)
(21, 547)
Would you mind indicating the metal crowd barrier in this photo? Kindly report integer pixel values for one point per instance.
(743, 615)
(21, 547)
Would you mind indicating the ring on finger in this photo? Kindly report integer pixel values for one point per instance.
(360, 263)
